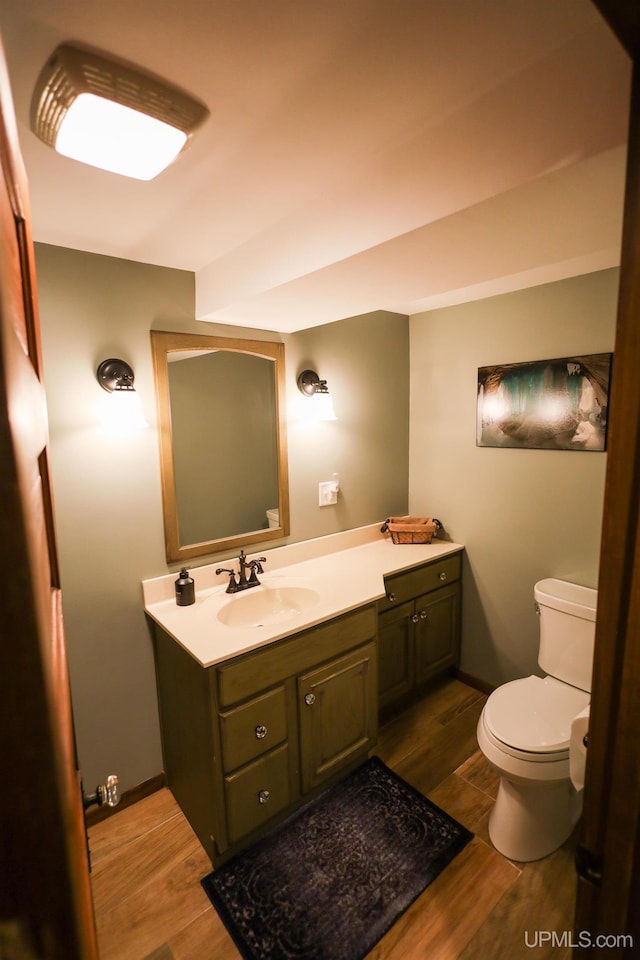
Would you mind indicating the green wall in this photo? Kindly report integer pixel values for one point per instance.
(365, 361)
(522, 514)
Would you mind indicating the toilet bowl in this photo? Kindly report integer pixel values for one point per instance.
(525, 728)
(524, 733)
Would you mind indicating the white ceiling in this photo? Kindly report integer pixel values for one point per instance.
(360, 154)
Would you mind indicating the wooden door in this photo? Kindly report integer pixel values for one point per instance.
(45, 896)
(608, 901)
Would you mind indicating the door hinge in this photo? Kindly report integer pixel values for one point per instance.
(589, 866)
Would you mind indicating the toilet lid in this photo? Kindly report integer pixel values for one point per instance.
(534, 714)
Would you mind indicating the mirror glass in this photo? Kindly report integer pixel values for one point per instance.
(222, 442)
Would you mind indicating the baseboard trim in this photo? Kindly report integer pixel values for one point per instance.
(472, 681)
(129, 797)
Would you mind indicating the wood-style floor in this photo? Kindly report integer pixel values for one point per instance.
(147, 863)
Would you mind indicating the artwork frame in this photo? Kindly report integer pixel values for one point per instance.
(556, 404)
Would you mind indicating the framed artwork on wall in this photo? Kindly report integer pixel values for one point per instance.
(545, 404)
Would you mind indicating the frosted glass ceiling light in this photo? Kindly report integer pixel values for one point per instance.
(117, 138)
(109, 114)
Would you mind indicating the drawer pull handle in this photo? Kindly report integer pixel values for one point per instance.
(261, 732)
(442, 576)
(309, 699)
(391, 597)
(263, 796)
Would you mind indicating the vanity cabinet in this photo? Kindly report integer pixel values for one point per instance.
(418, 627)
(248, 739)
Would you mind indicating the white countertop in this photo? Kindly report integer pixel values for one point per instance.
(346, 570)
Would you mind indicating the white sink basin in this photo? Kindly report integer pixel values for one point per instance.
(263, 606)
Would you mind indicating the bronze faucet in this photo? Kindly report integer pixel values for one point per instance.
(255, 566)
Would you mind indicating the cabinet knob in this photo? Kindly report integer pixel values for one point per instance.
(261, 732)
(309, 699)
(263, 796)
(391, 597)
(423, 614)
(442, 576)
(414, 618)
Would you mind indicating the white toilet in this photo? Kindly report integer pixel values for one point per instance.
(525, 727)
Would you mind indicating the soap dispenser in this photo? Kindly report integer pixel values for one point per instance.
(185, 589)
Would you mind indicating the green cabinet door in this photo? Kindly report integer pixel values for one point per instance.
(338, 714)
(395, 653)
(437, 631)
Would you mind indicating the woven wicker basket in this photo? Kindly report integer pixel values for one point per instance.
(411, 529)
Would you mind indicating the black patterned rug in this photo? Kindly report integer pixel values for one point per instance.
(328, 882)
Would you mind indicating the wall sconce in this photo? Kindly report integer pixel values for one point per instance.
(310, 385)
(124, 410)
(105, 112)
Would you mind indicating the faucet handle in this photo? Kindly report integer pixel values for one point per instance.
(256, 568)
(233, 586)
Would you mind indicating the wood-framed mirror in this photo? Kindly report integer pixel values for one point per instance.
(223, 448)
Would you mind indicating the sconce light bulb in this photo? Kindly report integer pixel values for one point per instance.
(122, 411)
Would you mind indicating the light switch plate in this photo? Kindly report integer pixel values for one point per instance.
(327, 493)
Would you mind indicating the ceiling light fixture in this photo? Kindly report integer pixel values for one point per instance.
(105, 112)
(310, 384)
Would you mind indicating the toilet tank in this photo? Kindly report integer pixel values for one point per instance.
(567, 630)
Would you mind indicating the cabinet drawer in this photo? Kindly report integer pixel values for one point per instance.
(405, 586)
(253, 729)
(257, 793)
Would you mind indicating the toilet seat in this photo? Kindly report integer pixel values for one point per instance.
(531, 718)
